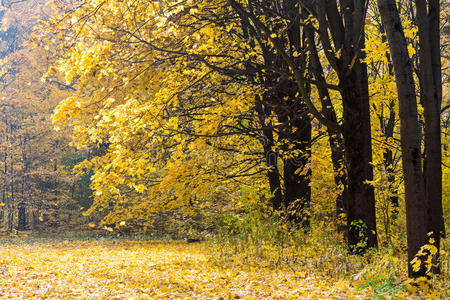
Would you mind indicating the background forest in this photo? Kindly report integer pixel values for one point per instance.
(39, 191)
(272, 127)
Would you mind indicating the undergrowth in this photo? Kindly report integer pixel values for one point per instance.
(258, 238)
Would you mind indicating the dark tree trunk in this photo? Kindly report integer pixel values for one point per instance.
(13, 197)
(335, 138)
(347, 34)
(430, 71)
(297, 172)
(271, 157)
(416, 217)
(22, 217)
(387, 126)
(294, 134)
(390, 170)
(361, 221)
(343, 51)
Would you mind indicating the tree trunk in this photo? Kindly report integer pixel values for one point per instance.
(416, 217)
(335, 138)
(22, 217)
(430, 67)
(360, 196)
(297, 171)
(387, 126)
(343, 51)
(388, 132)
(22, 212)
(271, 157)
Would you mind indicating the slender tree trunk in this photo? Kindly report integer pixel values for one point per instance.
(335, 138)
(21, 219)
(416, 210)
(271, 157)
(22, 212)
(387, 127)
(13, 194)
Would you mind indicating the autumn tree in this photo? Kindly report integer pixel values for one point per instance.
(220, 118)
(423, 179)
(343, 53)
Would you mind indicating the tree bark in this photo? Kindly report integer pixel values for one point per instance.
(347, 34)
(335, 138)
(387, 126)
(297, 171)
(271, 157)
(430, 67)
(416, 214)
(360, 196)
(296, 166)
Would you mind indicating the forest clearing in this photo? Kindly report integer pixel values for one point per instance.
(124, 269)
(224, 149)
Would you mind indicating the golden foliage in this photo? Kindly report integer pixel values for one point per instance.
(147, 270)
(117, 269)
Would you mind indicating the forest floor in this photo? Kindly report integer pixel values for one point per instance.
(123, 269)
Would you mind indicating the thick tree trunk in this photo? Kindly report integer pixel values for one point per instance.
(343, 51)
(416, 215)
(274, 182)
(430, 67)
(295, 137)
(297, 170)
(286, 110)
(360, 196)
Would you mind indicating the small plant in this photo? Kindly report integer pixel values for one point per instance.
(361, 228)
(384, 282)
(383, 287)
(422, 265)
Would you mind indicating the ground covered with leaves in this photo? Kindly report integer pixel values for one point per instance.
(124, 269)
